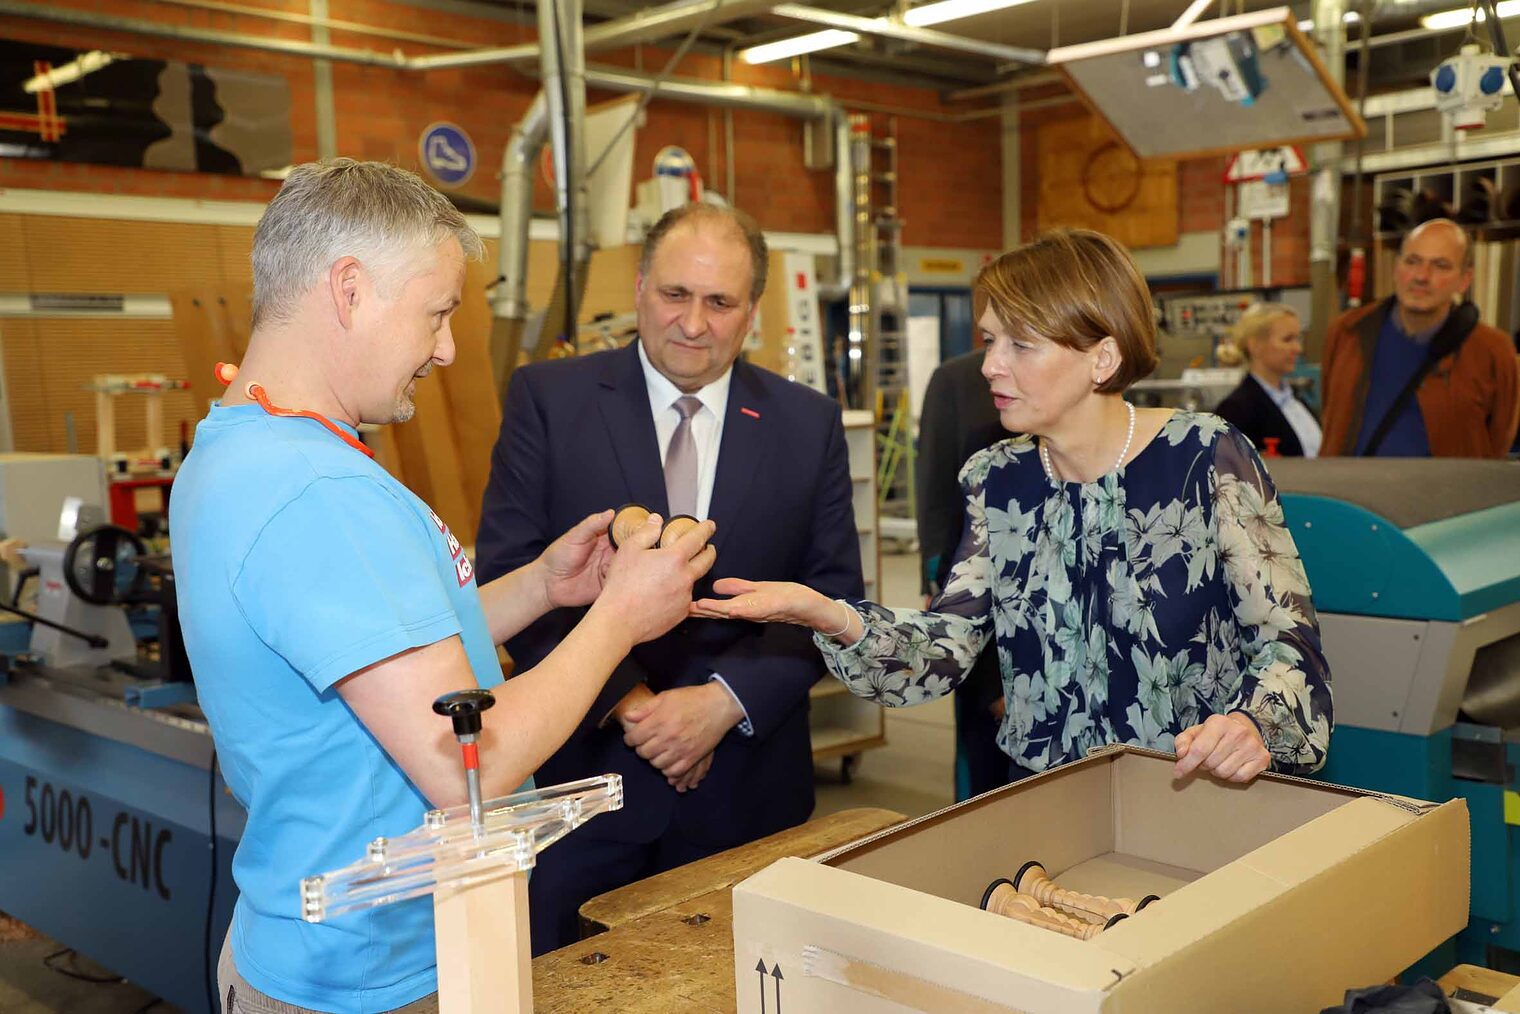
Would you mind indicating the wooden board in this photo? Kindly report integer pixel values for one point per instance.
(773, 318)
(474, 406)
(1081, 161)
(726, 869)
(671, 942)
(678, 959)
(212, 324)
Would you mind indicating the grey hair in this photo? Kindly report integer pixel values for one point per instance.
(697, 213)
(340, 207)
(1256, 322)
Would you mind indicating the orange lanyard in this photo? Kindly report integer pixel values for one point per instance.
(225, 372)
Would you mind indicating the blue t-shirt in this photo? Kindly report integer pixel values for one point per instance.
(1394, 361)
(299, 561)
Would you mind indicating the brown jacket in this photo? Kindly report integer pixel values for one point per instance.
(1470, 401)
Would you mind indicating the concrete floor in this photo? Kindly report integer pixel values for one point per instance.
(913, 774)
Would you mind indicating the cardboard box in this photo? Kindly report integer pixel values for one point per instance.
(1275, 897)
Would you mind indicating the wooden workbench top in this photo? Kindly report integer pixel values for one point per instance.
(669, 943)
(728, 868)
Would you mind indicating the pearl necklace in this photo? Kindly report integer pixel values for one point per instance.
(1050, 472)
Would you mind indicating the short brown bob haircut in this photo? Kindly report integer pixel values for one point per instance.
(1073, 287)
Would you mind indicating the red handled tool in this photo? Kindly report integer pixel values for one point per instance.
(464, 707)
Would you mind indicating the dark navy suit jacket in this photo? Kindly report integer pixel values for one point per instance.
(578, 437)
(1252, 411)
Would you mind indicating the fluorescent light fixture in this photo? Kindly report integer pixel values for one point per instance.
(785, 49)
(917, 17)
(1458, 18)
(67, 73)
(951, 10)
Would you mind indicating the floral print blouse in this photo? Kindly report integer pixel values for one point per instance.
(1125, 609)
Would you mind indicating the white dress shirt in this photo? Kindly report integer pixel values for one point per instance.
(1296, 412)
(707, 435)
(706, 423)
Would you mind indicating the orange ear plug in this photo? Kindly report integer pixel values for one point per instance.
(226, 373)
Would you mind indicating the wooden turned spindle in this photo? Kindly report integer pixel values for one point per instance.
(1032, 880)
(1002, 899)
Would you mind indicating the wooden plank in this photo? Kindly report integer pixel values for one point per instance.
(483, 947)
(211, 325)
(771, 354)
(430, 461)
(679, 959)
(473, 406)
(617, 908)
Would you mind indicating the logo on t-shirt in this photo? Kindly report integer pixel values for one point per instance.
(463, 569)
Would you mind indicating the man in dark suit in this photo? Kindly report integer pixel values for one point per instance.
(708, 725)
(959, 419)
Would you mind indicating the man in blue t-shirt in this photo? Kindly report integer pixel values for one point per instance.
(325, 606)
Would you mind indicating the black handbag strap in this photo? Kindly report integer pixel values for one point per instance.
(1460, 323)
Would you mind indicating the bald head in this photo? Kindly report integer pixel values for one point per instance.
(1433, 272)
(1446, 232)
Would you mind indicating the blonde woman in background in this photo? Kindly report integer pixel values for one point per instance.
(1264, 407)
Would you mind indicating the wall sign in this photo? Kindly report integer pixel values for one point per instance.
(447, 154)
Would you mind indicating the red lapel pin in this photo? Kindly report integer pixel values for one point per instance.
(750, 412)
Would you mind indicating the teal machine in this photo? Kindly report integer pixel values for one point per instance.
(1415, 566)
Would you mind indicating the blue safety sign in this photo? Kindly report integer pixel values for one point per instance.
(447, 153)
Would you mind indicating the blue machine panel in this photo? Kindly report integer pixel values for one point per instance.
(107, 848)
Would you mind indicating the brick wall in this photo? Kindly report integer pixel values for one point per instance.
(951, 171)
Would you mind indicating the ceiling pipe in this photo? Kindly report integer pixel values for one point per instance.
(724, 96)
(654, 23)
(643, 26)
(890, 29)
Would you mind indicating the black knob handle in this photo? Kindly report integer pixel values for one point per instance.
(464, 707)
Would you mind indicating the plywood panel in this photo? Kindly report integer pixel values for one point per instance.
(1089, 180)
(474, 409)
(212, 325)
(115, 256)
(609, 286)
(235, 249)
(74, 351)
(774, 319)
(14, 276)
(28, 393)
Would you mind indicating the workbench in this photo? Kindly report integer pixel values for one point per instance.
(667, 943)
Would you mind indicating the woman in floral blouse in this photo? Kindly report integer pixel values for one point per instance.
(1133, 565)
